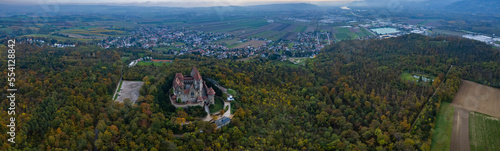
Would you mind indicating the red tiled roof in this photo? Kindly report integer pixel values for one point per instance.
(188, 78)
(179, 76)
(186, 91)
(211, 91)
(196, 74)
(200, 98)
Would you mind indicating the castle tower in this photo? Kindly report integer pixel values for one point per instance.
(211, 93)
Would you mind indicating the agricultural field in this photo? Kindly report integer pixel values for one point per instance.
(484, 132)
(447, 32)
(251, 43)
(414, 21)
(310, 28)
(477, 97)
(230, 26)
(344, 34)
(300, 29)
(364, 32)
(58, 38)
(91, 32)
(442, 130)
(230, 43)
(165, 48)
(430, 22)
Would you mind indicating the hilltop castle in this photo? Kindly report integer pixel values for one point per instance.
(192, 90)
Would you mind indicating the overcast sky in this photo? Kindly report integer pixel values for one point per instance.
(185, 3)
(176, 3)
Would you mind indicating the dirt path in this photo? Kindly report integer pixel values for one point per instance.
(429, 100)
(460, 131)
(228, 112)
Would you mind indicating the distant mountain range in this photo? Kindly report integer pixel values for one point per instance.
(463, 6)
(475, 6)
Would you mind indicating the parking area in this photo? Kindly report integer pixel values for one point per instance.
(130, 90)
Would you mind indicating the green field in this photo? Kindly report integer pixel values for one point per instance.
(484, 132)
(343, 30)
(231, 91)
(143, 63)
(219, 104)
(230, 43)
(58, 38)
(300, 29)
(442, 130)
(342, 36)
(364, 32)
(93, 31)
(497, 42)
(165, 48)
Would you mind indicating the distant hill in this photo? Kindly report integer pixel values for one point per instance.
(278, 7)
(475, 6)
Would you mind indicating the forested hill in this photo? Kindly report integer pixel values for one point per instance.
(356, 95)
(415, 53)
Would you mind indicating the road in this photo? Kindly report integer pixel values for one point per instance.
(435, 91)
(460, 131)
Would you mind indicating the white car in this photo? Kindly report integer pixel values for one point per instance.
(230, 98)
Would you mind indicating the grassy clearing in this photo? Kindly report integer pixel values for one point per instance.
(410, 77)
(231, 91)
(217, 106)
(407, 77)
(497, 42)
(442, 130)
(156, 64)
(484, 132)
(124, 59)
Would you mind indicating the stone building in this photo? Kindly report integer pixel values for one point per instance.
(192, 89)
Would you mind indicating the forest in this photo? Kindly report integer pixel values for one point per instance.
(350, 97)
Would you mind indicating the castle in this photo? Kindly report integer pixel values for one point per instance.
(192, 89)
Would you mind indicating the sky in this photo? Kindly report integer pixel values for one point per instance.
(176, 3)
(197, 3)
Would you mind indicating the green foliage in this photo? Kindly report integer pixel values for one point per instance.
(350, 97)
(217, 106)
